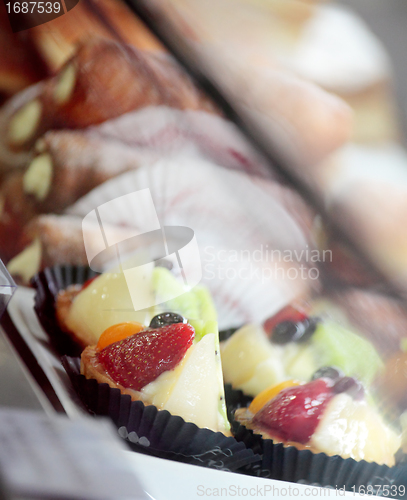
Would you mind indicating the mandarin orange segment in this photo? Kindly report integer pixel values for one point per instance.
(270, 393)
(118, 332)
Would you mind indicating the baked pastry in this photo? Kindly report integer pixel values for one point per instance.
(330, 414)
(20, 66)
(166, 365)
(365, 190)
(95, 86)
(16, 210)
(284, 110)
(66, 166)
(336, 50)
(298, 343)
(56, 41)
(51, 239)
(69, 164)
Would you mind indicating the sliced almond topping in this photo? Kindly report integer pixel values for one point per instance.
(65, 85)
(27, 263)
(24, 123)
(38, 177)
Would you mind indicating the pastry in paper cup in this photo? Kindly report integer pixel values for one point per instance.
(286, 462)
(157, 432)
(294, 343)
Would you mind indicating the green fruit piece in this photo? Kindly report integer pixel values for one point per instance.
(207, 311)
(337, 346)
(324, 308)
(196, 304)
(198, 325)
(165, 286)
(206, 305)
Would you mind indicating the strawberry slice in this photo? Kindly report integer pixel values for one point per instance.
(138, 360)
(294, 413)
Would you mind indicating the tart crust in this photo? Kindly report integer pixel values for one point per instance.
(92, 369)
(245, 417)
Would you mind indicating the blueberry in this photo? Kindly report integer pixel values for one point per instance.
(285, 332)
(328, 372)
(309, 325)
(351, 386)
(291, 331)
(167, 318)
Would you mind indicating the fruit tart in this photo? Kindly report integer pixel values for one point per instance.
(86, 311)
(329, 414)
(166, 364)
(293, 344)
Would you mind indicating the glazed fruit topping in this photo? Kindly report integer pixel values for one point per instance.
(328, 372)
(166, 318)
(351, 386)
(285, 332)
(138, 360)
(118, 332)
(291, 331)
(340, 383)
(294, 413)
(288, 313)
(270, 393)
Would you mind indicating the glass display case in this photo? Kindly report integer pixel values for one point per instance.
(203, 206)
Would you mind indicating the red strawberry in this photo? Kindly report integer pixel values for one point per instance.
(139, 359)
(288, 313)
(294, 413)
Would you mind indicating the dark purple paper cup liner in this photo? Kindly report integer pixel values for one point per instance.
(157, 432)
(287, 463)
(235, 398)
(48, 284)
